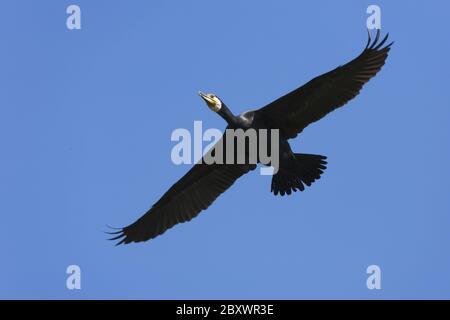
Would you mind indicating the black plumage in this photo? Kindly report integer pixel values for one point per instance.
(290, 114)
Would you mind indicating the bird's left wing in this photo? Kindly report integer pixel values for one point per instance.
(309, 103)
(193, 193)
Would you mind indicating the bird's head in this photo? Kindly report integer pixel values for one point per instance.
(213, 102)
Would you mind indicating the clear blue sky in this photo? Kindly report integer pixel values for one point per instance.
(85, 124)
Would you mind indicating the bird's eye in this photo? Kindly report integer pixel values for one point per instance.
(211, 96)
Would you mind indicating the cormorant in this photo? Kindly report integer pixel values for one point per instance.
(290, 114)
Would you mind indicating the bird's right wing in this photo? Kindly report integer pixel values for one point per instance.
(296, 110)
(193, 193)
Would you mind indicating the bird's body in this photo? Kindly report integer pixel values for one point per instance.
(288, 115)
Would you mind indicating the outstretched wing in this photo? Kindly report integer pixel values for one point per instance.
(193, 193)
(311, 102)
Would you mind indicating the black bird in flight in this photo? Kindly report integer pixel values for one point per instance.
(290, 114)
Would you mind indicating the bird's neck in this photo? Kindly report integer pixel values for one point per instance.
(227, 115)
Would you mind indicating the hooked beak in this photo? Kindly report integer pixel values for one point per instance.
(207, 99)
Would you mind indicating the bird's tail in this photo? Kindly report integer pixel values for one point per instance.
(305, 170)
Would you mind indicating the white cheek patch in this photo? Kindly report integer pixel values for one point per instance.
(218, 106)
